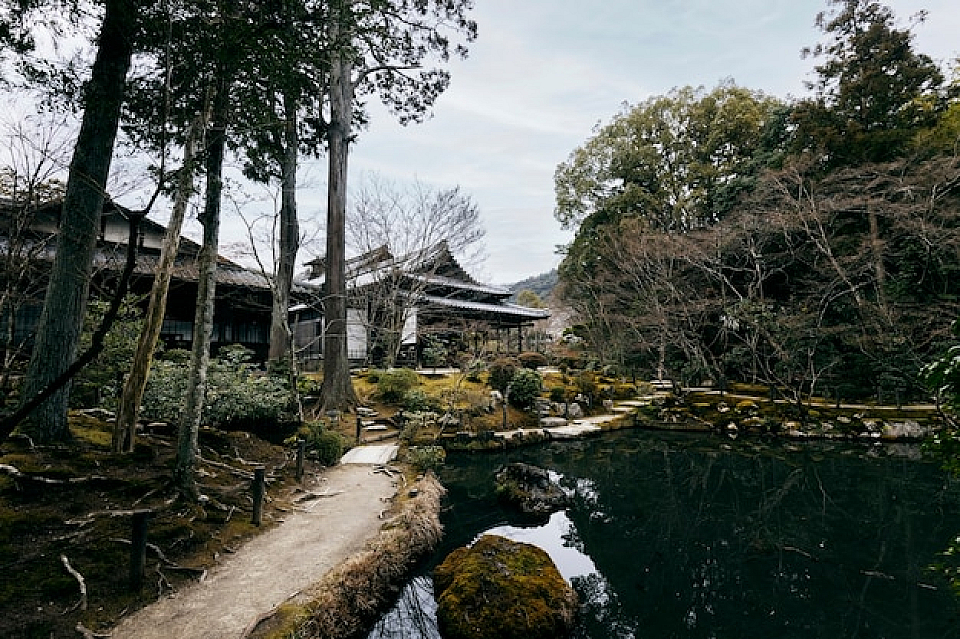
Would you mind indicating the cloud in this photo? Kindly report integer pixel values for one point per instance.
(544, 73)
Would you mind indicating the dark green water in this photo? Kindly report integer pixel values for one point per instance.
(689, 536)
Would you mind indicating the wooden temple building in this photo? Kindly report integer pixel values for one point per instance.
(401, 309)
(28, 244)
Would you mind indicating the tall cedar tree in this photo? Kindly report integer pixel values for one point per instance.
(379, 50)
(61, 321)
(873, 91)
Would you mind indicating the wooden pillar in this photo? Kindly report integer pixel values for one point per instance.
(301, 453)
(258, 491)
(138, 548)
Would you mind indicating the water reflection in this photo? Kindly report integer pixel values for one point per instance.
(689, 537)
(559, 538)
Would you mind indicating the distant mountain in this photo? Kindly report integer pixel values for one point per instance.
(542, 285)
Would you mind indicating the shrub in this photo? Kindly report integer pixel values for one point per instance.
(525, 388)
(327, 443)
(238, 397)
(434, 352)
(417, 401)
(532, 360)
(329, 447)
(393, 384)
(100, 383)
(586, 383)
(501, 373)
(558, 394)
(624, 391)
(425, 458)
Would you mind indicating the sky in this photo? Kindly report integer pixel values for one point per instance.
(544, 73)
(539, 79)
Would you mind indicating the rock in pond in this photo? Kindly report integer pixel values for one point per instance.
(530, 488)
(502, 589)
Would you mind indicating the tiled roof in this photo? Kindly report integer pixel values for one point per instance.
(513, 310)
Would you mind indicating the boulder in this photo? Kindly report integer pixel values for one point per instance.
(529, 488)
(502, 589)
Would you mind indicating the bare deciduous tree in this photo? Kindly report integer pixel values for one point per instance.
(409, 225)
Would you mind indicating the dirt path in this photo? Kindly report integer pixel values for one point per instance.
(273, 566)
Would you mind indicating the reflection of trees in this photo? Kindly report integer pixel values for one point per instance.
(413, 617)
(694, 540)
(756, 541)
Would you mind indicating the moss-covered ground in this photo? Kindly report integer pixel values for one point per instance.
(85, 522)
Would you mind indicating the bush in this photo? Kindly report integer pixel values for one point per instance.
(558, 394)
(532, 360)
(393, 384)
(501, 374)
(327, 443)
(434, 352)
(329, 447)
(586, 383)
(100, 383)
(417, 401)
(425, 458)
(238, 397)
(525, 388)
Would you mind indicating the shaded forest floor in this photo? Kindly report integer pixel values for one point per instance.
(78, 518)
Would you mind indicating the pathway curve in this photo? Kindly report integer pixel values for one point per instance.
(273, 566)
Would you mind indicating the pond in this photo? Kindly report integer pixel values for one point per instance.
(673, 535)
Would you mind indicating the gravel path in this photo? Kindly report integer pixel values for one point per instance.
(273, 566)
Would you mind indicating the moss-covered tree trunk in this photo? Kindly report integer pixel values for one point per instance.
(61, 321)
(189, 427)
(124, 432)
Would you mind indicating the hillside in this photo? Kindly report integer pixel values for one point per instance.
(542, 285)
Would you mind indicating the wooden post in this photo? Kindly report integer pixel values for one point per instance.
(359, 426)
(138, 548)
(301, 452)
(257, 489)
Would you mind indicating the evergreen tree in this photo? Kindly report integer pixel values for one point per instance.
(873, 91)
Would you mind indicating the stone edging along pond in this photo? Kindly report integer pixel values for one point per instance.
(746, 416)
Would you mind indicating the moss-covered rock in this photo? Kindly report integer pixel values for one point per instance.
(529, 488)
(502, 589)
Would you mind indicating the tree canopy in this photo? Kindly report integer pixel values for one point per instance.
(724, 234)
(873, 92)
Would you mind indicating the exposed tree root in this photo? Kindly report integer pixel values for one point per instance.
(16, 473)
(76, 575)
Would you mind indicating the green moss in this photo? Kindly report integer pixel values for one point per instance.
(502, 589)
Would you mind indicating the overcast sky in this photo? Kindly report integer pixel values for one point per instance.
(544, 73)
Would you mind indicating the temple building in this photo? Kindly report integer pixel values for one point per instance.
(417, 309)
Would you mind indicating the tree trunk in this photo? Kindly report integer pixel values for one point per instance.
(876, 250)
(337, 392)
(289, 240)
(58, 331)
(124, 431)
(189, 427)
